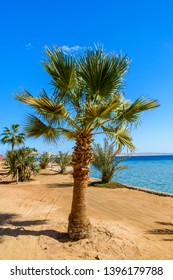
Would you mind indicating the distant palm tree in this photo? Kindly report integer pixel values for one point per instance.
(105, 161)
(87, 100)
(63, 160)
(45, 159)
(12, 136)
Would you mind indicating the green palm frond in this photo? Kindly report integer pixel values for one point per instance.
(103, 111)
(35, 128)
(124, 139)
(132, 112)
(69, 134)
(48, 108)
(44, 105)
(101, 75)
(121, 137)
(61, 68)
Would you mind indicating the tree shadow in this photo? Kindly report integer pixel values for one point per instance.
(5, 218)
(8, 219)
(163, 231)
(62, 185)
(27, 223)
(7, 182)
(49, 174)
(165, 224)
(58, 236)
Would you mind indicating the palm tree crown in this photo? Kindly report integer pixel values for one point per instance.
(87, 100)
(12, 136)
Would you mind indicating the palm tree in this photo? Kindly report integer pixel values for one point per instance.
(12, 136)
(23, 163)
(105, 161)
(63, 160)
(87, 100)
(45, 159)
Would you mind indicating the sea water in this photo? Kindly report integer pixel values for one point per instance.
(154, 172)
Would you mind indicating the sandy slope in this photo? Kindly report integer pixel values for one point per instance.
(127, 224)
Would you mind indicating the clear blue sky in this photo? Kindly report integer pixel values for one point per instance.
(141, 29)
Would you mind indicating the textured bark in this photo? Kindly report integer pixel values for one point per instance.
(79, 225)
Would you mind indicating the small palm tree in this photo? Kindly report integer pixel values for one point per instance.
(21, 162)
(63, 160)
(104, 160)
(45, 159)
(87, 99)
(12, 136)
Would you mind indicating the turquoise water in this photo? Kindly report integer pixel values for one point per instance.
(150, 172)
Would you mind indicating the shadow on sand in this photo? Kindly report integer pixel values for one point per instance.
(62, 185)
(163, 231)
(49, 174)
(7, 219)
(7, 182)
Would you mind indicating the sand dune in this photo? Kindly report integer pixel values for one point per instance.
(127, 224)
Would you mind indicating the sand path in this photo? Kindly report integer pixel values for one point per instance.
(127, 224)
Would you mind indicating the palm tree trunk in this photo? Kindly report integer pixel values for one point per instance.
(79, 225)
(12, 146)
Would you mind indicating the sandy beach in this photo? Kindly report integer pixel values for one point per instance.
(127, 224)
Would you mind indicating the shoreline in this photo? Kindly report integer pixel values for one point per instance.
(98, 179)
(126, 224)
(146, 178)
(138, 188)
(148, 190)
(146, 154)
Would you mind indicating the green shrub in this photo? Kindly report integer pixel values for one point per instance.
(45, 159)
(104, 160)
(21, 161)
(63, 160)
